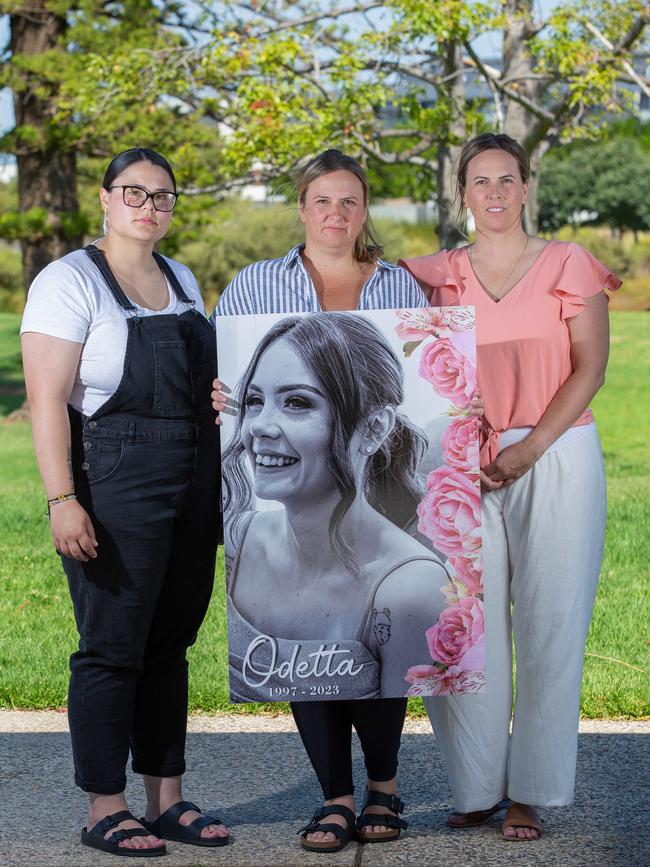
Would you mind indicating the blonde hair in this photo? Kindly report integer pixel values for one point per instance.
(366, 247)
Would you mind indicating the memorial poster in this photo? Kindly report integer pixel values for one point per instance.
(351, 504)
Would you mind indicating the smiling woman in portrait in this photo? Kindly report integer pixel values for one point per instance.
(339, 267)
(319, 432)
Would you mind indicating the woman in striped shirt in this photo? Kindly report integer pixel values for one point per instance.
(337, 268)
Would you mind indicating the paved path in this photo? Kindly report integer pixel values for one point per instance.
(254, 768)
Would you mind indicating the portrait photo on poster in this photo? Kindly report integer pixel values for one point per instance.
(350, 466)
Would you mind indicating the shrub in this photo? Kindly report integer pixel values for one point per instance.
(12, 297)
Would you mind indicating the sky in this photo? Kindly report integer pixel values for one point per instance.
(487, 46)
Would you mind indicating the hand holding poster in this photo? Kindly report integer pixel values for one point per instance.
(345, 488)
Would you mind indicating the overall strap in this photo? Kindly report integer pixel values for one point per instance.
(168, 271)
(99, 259)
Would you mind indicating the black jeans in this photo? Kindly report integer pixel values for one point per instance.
(149, 486)
(326, 731)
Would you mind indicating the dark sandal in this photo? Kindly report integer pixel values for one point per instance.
(522, 816)
(168, 827)
(477, 817)
(96, 840)
(343, 835)
(394, 823)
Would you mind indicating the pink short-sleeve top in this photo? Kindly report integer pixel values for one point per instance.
(523, 342)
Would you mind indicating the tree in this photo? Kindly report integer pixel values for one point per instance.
(47, 178)
(221, 85)
(621, 190)
(75, 98)
(604, 183)
(297, 71)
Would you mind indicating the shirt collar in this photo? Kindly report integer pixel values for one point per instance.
(290, 259)
(292, 256)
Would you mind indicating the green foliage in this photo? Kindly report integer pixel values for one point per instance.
(235, 234)
(222, 85)
(579, 67)
(611, 179)
(37, 223)
(622, 186)
(11, 288)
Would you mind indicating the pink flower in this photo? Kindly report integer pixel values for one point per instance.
(449, 364)
(469, 572)
(450, 513)
(418, 324)
(460, 444)
(417, 672)
(445, 681)
(458, 638)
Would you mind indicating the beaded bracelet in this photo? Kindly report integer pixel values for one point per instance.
(60, 498)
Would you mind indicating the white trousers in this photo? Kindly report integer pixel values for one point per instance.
(542, 546)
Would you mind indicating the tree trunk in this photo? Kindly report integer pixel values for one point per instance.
(450, 235)
(47, 176)
(518, 63)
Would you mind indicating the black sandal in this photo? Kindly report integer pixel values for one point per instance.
(343, 835)
(96, 840)
(394, 823)
(168, 827)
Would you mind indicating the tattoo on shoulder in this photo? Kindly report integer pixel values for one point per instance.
(381, 625)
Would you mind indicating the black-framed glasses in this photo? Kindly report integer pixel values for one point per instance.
(135, 197)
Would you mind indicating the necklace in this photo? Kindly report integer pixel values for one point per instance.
(496, 295)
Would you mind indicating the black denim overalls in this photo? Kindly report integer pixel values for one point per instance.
(146, 468)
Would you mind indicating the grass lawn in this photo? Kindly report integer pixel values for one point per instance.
(36, 620)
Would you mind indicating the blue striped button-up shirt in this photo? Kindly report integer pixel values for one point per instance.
(284, 286)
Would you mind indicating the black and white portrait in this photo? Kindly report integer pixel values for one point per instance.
(331, 587)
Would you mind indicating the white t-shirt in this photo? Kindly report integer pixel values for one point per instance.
(69, 299)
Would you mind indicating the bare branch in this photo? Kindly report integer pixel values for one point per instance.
(635, 30)
(392, 159)
(324, 15)
(494, 82)
(627, 66)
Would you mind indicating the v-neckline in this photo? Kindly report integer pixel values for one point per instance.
(487, 292)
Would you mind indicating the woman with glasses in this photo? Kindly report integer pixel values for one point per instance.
(119, 360)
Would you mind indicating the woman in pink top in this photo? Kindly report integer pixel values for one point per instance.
(543, 341)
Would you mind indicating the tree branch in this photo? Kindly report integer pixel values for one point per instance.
(492, 78)
(627, 66)
(392, 159)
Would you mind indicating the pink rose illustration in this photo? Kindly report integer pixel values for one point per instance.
(469, 571)
(460, 444)
(449, 364)
(444, 681)
(450, 513)
(458, 639)
(416, 325)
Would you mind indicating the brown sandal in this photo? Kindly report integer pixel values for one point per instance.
(522, 816)
(477, 817)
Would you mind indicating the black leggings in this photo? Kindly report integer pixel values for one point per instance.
(326, 731)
